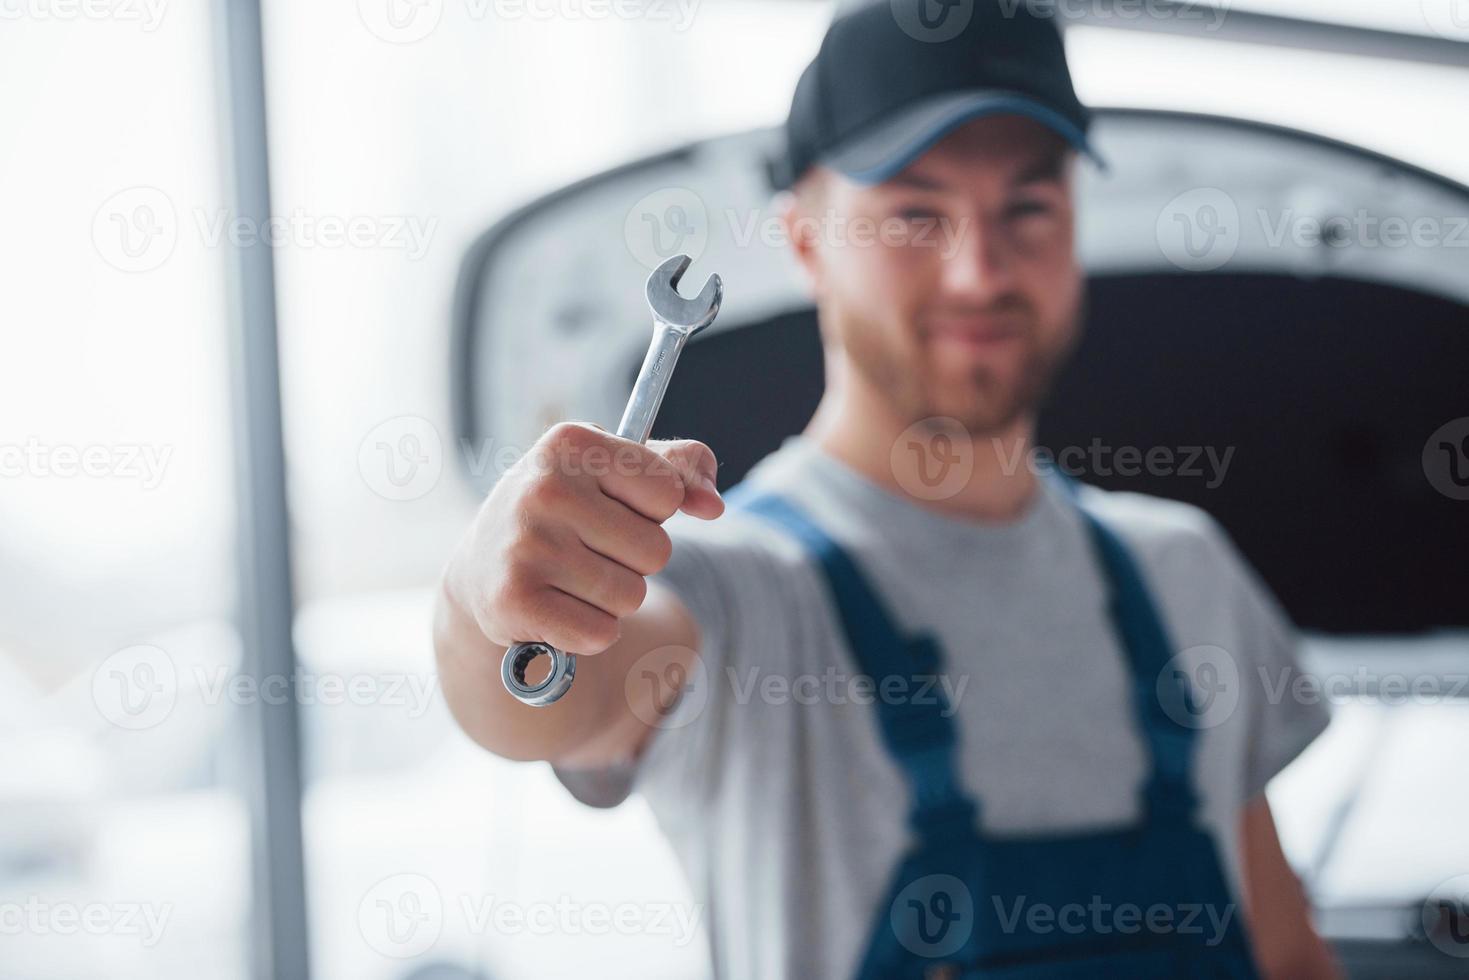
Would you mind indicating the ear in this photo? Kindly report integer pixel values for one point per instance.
(802, 227)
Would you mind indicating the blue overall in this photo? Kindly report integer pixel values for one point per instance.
(1134, 902)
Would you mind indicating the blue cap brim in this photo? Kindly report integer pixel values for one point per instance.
(879, 152)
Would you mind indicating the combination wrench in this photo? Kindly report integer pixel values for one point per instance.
(675, 320)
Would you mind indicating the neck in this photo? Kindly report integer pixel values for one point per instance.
(856, 426)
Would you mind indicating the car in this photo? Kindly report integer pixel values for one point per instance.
(1276, 332)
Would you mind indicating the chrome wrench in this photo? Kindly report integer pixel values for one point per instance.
(675, 320)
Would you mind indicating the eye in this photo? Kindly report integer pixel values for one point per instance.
(1029, 209)
(918, 214)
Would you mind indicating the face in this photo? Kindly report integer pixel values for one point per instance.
(953, 288)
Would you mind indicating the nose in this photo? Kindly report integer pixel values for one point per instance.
(977, 262)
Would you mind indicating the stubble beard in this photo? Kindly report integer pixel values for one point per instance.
(986, 405)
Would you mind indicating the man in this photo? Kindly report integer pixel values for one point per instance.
(899, 722)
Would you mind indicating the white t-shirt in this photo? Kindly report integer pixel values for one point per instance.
(769, 776)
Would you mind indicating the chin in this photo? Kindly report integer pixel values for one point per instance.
(981, 407)
(978, 416)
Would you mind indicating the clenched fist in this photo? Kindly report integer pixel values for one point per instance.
(561, 548)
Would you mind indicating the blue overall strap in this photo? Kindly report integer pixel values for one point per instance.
(1160, 701)
(912, 710)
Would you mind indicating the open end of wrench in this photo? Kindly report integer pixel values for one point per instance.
(688, 315)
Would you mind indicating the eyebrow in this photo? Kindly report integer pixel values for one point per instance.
(917, 181)
(1051, 168)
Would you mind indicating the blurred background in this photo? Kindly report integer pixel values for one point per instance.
(153, 720)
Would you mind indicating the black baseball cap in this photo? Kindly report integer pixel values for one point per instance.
(894, 77)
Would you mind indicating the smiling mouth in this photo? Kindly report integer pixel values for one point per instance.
(974, 337)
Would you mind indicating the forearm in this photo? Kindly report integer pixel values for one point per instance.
(1287, 945)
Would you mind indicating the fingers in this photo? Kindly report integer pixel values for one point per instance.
(698, 469)
(665, 476)
(570, 624)
(612, 529)
(562, 546)
(656, 479)
(598, 581)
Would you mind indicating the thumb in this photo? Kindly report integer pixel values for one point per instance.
(697, 467)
